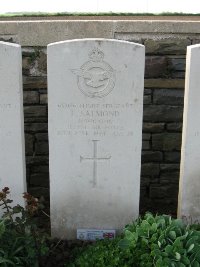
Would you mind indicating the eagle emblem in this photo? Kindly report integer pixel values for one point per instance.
(95, 78)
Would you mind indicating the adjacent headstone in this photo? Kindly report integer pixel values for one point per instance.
(189, 189)
(12, 160)
(95, 89)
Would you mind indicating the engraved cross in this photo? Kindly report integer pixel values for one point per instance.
(95, 159)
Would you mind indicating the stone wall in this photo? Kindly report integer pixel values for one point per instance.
(165, 44)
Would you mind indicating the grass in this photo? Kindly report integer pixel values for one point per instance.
(43, 14)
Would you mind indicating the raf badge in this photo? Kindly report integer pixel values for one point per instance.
(95, 78)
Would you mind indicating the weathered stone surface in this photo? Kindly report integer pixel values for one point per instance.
(147, 91)
(161, 113)
(35, 111)
(155, 67)
(145, 145)
(25, 65)
(196, 41)
(134, 30)
(145, 181)
(40, 169)
(150, 169)
(41, 148)
(147, 99)
(36, 127)
(177, 75)
(10, 38)
(98, 115)
(12, 154)
(43, 98)
(35, 160)
(29, 144)
(164, 83)
(39, 179)
(35, 120)
(41, 63)
(146, 136)
(152, 156)
(189, 197)
(158, 191)
(34, 82)
(172, 156)
(177, 64)
(174, 126)
(171, 177)
(31, 97)
(42, 136)
(153, 127)
(166, 141)
(38, 63)
(28, 51)
(168, 97)
(39, 192)
(169, 167)
(166, 46)
(42, 32)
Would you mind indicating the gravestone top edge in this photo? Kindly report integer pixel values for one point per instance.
(195, 46)
(10, 44)
(95, 39)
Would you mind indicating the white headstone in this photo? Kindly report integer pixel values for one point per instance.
(189, 186)
(95, 89)
(12, 159)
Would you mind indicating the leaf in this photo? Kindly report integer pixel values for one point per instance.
(190, 247)
(177, 242)
(154, 227)
(124, 243)
(16, 209)
(2, 228)
(168, 249)
(150, 218)
(131, 235)
(195, 264)
(190, 242)
(6, 261)
(185, 260)
(172, 235)
(178, 223)
(178, 256)
(161, 222)
(145, 241)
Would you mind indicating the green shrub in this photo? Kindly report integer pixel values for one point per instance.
(21, 244)
(158, 241)
(103, 253)
(163, 242)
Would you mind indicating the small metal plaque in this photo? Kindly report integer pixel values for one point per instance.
(94, 234)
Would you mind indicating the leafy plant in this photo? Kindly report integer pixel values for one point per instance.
(151, 241)
(102, 253)
(161, 241)
(21, 243)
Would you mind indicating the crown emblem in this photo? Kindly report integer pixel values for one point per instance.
(96, 55)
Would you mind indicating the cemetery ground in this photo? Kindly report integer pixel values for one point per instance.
(150, 240)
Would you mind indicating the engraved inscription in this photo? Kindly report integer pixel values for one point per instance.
(95, 78)
(95, 120)
(5, 106)
(95, 159)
